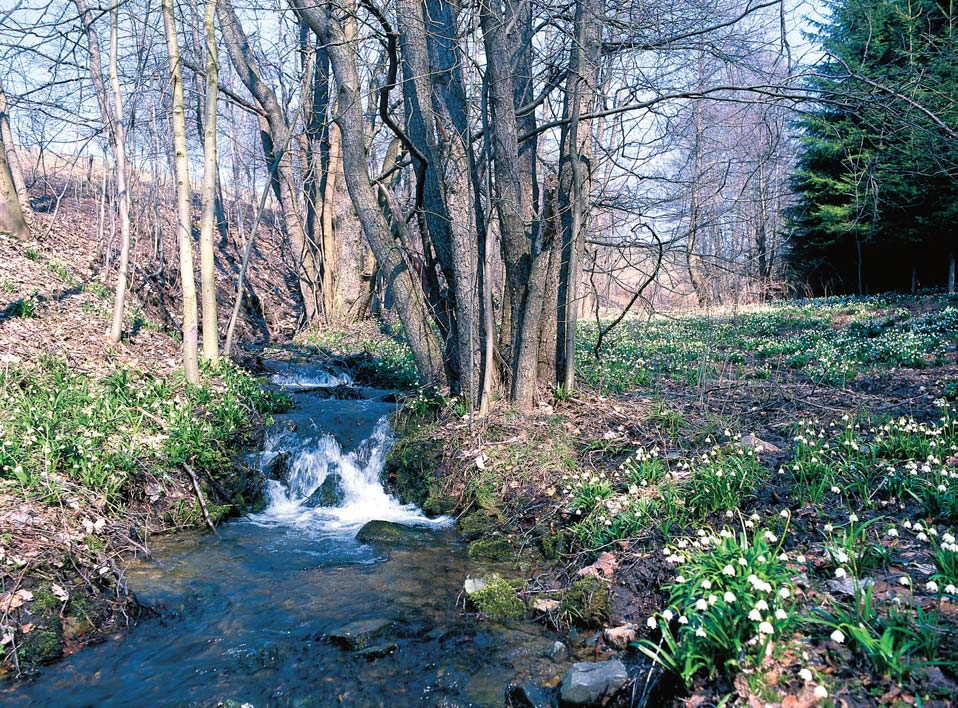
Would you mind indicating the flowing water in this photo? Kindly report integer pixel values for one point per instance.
(245, 617)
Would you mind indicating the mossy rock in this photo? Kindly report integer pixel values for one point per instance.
(43, 645)
(411, 469)
(389, 533)
(474, 525)
(586, 603)
(330, 493)
(494, 549)
(497, 599)
(554, 542)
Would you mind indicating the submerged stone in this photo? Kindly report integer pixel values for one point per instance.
(528, 694)
(360, 635)
(588, 684)
(378, 651)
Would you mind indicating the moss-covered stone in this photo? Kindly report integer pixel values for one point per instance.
(494, 549)
(389, 533)
(43, 645)
(553, 542)
(411, 469)
(586, 603)
(472, 526)
(497, 600)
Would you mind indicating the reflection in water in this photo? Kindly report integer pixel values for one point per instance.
(244, 617)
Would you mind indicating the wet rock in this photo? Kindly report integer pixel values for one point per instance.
(360, 635)
(329, 493)
(275, 465)
(529, 694)
(378, 651)
(387, 532)
(559, 652)
(474, 525)
(621, 637)
(589, 684)
(848, 585)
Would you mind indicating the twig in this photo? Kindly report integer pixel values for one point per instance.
(199, 495)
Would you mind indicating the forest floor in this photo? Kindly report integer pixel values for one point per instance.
(750, 508)
(99, 442)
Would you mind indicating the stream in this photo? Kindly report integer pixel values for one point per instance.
(246, 618)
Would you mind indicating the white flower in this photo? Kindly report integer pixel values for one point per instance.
(679, 579)
(781, 614)
(766, 628)
(840, 573)
(821, 692)
(805, 675)
(701, 604)
(904, 580)
(668, 615)
(729, 597)
(784, 593)
(853, 518)
(651, 623)
(838, 637)
(932, 586)
(784, 513)
(761, 605)
(951, 589)
(828, 528)
(893, 532)
(728, 570)
(683, 619)
(699, 632)
(922, 536)
(836, 490)
(755, 615)
(707, 584)
(800, 559)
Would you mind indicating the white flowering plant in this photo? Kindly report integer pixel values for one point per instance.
(731, 602)
(723, 478)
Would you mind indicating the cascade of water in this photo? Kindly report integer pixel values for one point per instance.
(331, 489)
(305, 378)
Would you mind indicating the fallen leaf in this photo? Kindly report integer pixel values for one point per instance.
(605, 565)
(60, 594)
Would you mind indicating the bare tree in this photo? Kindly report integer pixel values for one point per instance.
(183, 216)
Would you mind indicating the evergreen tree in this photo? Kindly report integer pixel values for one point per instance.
(877, 177)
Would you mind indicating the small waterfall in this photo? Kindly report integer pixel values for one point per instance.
(327, 488)
(303, 378)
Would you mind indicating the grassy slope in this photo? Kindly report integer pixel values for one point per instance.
(94, 444)
(816, 442)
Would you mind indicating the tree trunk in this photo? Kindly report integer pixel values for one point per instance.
(951, 272)
(123, 194)
(274, 132)
(338, 34)
(111, 115)
(575, 172)
(211, 337)
(183, 218)
(10, 151)
(11, 215)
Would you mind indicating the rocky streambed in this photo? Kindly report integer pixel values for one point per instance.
(336, 594)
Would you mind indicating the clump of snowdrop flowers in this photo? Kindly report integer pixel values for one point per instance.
(731, 577)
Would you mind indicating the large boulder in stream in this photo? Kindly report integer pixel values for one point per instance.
(329, 493)
(389, 533)
(592, 683)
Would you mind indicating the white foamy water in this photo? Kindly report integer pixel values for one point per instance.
(311, 461)
(310, 379)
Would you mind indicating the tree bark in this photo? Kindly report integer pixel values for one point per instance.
(183, 217)
(12, 220)
(951, 272)
(111, 114)
(335, 27)
(273, 132)
(10, 151)
(211, 337)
